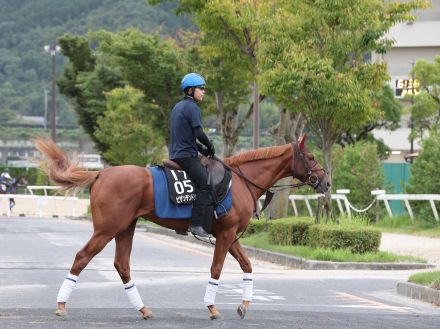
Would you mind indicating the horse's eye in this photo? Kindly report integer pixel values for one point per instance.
(311, 158)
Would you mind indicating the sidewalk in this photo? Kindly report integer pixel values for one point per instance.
(412, 245)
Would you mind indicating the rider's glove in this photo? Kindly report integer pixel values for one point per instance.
(211, 149)
(202, 149)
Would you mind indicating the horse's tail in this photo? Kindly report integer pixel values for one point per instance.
(59, 169)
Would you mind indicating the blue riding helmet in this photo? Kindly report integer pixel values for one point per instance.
(192, 80)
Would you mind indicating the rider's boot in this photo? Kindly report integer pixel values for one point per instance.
(202, 213)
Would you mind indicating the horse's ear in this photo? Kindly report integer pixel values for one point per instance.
(302, 140)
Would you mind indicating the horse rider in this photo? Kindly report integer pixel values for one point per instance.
(185, 128)
(5, 180)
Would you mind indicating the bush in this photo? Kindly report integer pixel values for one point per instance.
(290, 231)
(255, 226)
(357, 167)
(424, 175)
(356, 239)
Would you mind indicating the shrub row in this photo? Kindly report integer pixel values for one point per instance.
(289, 232)
(357, 239)
(302, 231)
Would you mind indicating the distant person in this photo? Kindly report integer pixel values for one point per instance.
(5, 180)
(185, 129)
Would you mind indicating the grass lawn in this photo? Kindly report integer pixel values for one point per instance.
(260, 240)
(430, 279)
(403, 224)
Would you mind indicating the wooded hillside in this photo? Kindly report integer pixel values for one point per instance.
(27, 25)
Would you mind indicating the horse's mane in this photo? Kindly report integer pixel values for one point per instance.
(258, 154)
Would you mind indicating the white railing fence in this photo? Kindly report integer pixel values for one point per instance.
(43, 205)
(345, 207)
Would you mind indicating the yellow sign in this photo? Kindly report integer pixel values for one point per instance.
(407, 87)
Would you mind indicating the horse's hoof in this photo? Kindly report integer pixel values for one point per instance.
(213, 313)
(241, 311)
(61, 313)
(147, 316)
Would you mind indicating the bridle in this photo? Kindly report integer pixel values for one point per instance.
(310, 179)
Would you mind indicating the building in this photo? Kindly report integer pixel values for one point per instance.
(412, 41)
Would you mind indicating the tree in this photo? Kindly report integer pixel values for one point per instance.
(7, 116)
(426, 166)
(390, 111)
(425, 113)
(130, 57)
(313, 59)
(229, 36)
(148, 63)
(85, 82)
(358, 168)
(126, 122)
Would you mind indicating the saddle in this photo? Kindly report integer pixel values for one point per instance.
(216, 171)
(219, 178)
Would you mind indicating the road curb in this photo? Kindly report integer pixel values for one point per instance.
(292, 261)
(417, 291)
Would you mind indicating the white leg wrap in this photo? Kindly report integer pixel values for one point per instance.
(248, 286)
(211, 291)
(133, 295)
(66, 288)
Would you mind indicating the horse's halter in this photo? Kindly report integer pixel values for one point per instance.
(311, 178)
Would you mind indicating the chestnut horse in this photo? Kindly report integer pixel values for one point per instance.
(119, 195)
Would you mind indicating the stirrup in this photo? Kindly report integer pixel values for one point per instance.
(206, 239)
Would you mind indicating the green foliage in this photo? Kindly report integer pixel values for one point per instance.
(7, 115)
(357, 239)
(425, 112)
(260, 240)
(431, 279)
(127, 58)
(290, 231)
(26, 26)
(425, 166)
(311, 57)
(255, 226)
(127, 122)
(30, 174)
(357, 167)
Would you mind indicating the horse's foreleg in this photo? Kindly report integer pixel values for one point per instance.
(223, 243)
(96, 243)
(124, 243)
(239, 254)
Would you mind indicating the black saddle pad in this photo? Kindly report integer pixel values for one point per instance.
(182, 189)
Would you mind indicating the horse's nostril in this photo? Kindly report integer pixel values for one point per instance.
(328, 184)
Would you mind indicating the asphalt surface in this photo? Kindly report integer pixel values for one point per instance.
(171, 275)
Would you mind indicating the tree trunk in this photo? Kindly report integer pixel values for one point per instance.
(286, 131)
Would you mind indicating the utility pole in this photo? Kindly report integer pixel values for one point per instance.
(256, 116)
(45, 108)
(411, 124)
(52, 50)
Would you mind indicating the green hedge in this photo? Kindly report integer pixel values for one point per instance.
(290, 231)
(357, 239)
(255, 226)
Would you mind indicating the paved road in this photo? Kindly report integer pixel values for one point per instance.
(36, 254)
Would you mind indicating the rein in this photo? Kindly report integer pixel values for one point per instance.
(311, 179)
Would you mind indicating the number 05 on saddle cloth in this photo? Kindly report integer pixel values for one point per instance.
(173, 197)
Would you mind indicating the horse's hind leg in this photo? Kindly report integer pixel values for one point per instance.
(96, 243)
(239, 254)
(124, 243)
